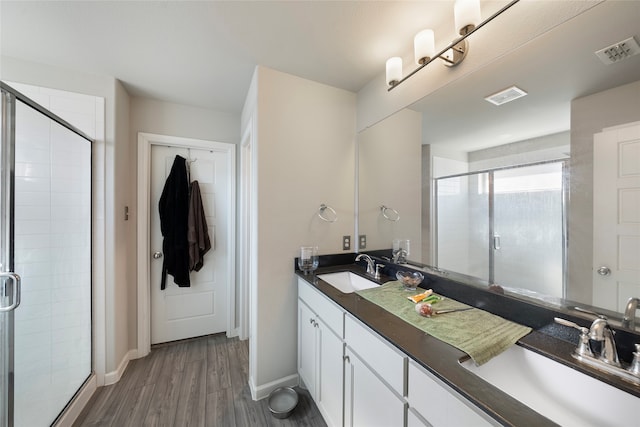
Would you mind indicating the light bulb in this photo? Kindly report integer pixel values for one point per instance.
(394, 70)
(424, 46)
(467, 15)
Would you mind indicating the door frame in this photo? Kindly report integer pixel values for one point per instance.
(145, 143)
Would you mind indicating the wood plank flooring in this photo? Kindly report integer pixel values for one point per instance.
(197, 382)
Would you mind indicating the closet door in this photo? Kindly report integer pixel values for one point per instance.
(201, 309)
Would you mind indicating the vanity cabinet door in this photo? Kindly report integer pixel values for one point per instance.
(320, 352)
(369, 401)
(307, 346)
(329, 375)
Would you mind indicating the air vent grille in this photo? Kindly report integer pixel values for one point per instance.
(619, 51)
(506, 95)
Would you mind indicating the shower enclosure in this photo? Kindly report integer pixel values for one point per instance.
(45, 262)
(506, 226)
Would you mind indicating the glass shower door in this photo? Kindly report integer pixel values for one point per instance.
(9, 287)
(49, 247)
(528, 242)
(505, 226)
(462, 224)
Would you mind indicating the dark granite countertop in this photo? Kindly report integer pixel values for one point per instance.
(442, 359)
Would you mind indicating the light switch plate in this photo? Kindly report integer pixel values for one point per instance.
(346, 243)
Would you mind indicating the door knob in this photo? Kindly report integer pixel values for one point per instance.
(157, 255)
(604, 271)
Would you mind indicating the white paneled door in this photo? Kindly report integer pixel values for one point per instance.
(616, 216)
(201, 309)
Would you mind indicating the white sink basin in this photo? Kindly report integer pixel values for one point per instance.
(347, 282)
(556, 391)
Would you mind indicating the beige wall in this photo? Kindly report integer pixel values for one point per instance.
(305, 143)
(117, 180)
(589, 115)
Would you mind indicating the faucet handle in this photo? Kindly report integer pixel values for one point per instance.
(571, 324)
(593, 313)
(377, 274)
(583, 349)
(634, 368)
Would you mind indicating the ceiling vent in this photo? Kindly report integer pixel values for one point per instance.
(619, 51)
(506, 95)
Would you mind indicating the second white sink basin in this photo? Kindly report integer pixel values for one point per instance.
(560, 393)
(347, 282)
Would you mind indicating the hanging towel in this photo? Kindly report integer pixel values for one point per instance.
(198, 237)
(174, 210)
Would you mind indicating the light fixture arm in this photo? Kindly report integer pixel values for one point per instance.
(460, 46)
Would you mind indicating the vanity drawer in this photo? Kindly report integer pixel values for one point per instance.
(438, 403)
(384, 359)
(326, 309)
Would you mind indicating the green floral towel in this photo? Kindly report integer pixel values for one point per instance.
(478, 333)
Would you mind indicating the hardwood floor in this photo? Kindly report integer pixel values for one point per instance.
(197, 382)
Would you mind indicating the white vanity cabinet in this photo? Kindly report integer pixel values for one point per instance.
(358, 379)
(375, 375)
(320, 351)
(437, 404)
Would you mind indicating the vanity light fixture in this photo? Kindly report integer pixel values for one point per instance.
(467, 20)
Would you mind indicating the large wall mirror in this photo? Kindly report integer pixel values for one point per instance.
(506, 193)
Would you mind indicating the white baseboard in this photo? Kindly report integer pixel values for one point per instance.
(71, 413)
(262, 391)
(114, 376)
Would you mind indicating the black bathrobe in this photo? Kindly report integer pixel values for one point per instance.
(174, 212)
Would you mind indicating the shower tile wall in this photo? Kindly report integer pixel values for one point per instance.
(53, 323)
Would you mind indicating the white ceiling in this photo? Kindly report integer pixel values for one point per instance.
(203, 53)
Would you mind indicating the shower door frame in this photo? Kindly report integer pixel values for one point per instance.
(9, 99)
(491, 213)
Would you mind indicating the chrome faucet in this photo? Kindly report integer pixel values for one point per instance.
(371, 265)
(600, 331)
(629, 319)
(399, 257)
(607, 360)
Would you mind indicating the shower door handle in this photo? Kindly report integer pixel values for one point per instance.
(13, 277)
(496, 242)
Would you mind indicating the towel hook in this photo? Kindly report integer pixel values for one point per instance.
(323, 208)
(395, 216)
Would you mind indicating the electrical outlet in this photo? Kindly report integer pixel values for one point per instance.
(363, 242)
(346, 243)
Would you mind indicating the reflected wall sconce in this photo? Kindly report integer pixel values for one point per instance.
(467, 19)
